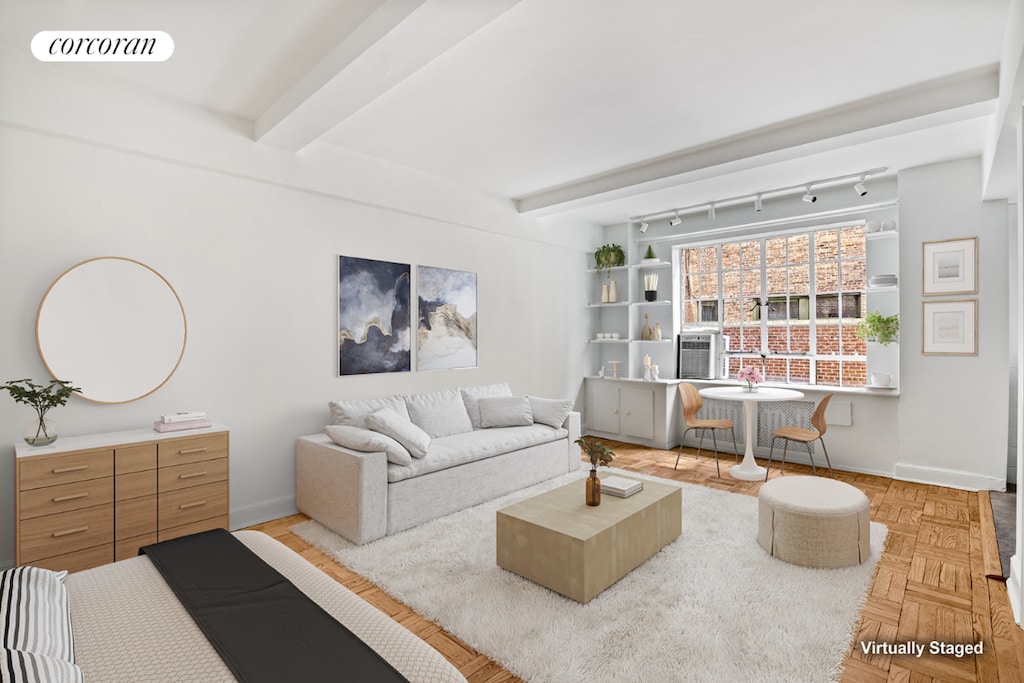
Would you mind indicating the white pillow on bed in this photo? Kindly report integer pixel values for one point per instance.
(29, 667)
(35, 612)
(368, 441)
(505, 411)
(401, 430)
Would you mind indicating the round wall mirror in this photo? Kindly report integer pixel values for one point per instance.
(113, 327)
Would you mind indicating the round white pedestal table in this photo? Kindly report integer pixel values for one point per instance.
(749, 470)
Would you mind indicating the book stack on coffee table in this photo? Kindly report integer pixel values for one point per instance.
(620, 486)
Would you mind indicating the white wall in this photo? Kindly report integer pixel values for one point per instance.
(953, 409)
(252, 252)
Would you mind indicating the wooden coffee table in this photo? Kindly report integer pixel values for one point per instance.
(557, 540)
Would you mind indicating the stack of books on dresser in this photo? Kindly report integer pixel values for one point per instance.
(620, 486)
(175, 422)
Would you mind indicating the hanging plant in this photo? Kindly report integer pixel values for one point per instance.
(609, 256)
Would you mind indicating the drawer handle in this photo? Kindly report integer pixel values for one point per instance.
(186, 506)
(75, 468)
(58, 534)
(192, 475)
(74, 496)
(189, 451)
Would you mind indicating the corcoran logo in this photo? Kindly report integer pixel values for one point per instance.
(102, 46)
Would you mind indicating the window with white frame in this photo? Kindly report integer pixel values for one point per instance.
(789, 303)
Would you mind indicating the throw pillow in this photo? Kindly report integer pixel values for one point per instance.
(505, 411)
(367, 441)
(471, 397)
(353, 411)
(401, 430)
(550, 411)
(28, 667)
(439, 413)
(36, 613)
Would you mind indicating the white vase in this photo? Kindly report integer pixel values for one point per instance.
(604, 294)
(881, 379)
(613, 292)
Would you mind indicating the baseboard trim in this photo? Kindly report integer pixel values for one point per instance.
(956, 479)
(1013, 588)
(265, 511)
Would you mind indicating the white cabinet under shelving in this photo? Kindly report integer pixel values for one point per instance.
(633, 411)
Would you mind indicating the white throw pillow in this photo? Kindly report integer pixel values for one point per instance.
(439, 413)
(505, 411)
(353, 411)
(550, 411)
(367, 441)
(35, 612)
(401, 430)
(471, 398)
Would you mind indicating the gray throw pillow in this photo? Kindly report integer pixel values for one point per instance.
(471, 398)
(550, 411)
(505, 411)
(389, 422)
(368, 441)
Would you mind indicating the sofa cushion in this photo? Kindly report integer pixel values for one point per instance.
(368, 441)
(353, 411)
(401, 430)
(36, 613)
(550, 411)
(458, 449)
(471, 396)
(439, 413)
(505, 411)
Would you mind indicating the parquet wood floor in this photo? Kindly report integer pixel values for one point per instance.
(932, 581)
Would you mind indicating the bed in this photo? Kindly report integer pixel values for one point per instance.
(128, 625)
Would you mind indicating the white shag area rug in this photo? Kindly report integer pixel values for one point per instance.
(711, 606)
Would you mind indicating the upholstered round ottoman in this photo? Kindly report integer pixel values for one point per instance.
(814, 522)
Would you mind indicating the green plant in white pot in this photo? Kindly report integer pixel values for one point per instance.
(609, 256)
(41, 397)
(883, 329)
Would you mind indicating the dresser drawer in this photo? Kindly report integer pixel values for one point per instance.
(78, 560)
(65, 532)
(128, 459)
(181, 451)
(37, 472)
(193, 528)
(193, 474)
(193, 504)
(66, 497)
(133, 485)
(135, 517)
(129, 548)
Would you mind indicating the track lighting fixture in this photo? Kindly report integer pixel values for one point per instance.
(643, 227)
(676, 220)
(711, 211)
(859, 187)
(808, 197)
(757, 202)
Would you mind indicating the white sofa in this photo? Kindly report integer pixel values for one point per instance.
(407, 459)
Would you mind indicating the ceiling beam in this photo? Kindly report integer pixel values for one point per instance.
(920, 106)
(396, 41)
(999, 170)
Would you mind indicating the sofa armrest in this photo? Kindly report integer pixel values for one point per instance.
(572, 424)
(345, 490)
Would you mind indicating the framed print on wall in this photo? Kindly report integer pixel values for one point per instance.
(949, 328)
(950, 266)
(374, 316)
(446, 332)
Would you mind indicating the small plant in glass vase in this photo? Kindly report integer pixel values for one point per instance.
(599, 454)
(751, 376)
(883, 329)
(41, 397)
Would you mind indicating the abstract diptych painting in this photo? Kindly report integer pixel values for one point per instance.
(446, 334)
(374, 316)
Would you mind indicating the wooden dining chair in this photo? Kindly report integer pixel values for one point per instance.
(805, 436)
(692, 403)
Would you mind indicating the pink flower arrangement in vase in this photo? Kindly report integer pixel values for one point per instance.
(751, 375)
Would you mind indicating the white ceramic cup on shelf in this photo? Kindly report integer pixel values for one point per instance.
(881, 379)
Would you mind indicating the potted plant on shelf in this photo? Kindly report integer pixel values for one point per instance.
(609, 256)
(599, 454)
(649, 256)
(41, 397)
(883, 329)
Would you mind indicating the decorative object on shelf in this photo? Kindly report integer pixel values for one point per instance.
(656, 332)
(950, 266)
(604, 293)
(598, 454)
(41, 397)
(654, 372)
(881, 379)
(615, 368)
(651, 286)
(609, 256)
(751, 375)
(649, 256)
(647, 368)
(600, 373)
(888, 280)
(950, 328)
(883, 329)
(613, 292)
(646, 332)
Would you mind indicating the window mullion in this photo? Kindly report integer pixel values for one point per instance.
(812, 287)
(764, 294)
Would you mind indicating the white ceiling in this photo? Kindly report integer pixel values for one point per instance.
(597, 109)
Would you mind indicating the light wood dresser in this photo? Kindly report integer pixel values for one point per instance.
(89, 500)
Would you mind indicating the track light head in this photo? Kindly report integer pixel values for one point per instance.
(809, 197)
(757, 203)
(859, 188)
(676, 220)
(643, 227)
